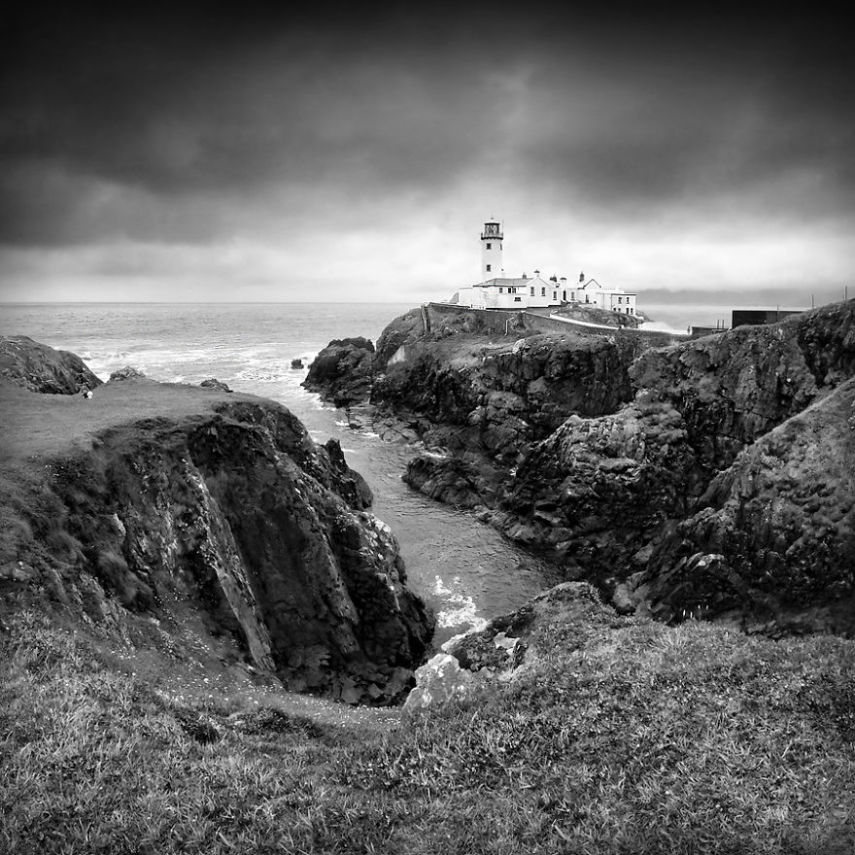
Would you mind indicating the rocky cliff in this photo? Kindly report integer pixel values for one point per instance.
(776, 529)
(217, 516)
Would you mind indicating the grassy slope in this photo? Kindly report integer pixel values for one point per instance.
(630, 737)
(37, 425)
(627, 737)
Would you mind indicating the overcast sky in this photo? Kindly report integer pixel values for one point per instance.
(192, 156)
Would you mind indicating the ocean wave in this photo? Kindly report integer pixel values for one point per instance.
(460, 609)
(660, 326)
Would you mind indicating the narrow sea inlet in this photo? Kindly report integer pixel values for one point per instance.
(463, 569)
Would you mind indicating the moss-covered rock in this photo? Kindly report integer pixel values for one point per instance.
(40, 368)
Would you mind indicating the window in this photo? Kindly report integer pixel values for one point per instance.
(489, 267)
(543, 292)
(620, 299)
(501, 290)
(489, 246)
(518, 299)
(554, 296)
(532, 291)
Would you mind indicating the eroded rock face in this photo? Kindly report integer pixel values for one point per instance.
(264, 534)
(485, 406)
(730, 388)
(597, 491)
(40, 368)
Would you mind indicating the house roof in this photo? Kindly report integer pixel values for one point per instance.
(595, 286)
(505, 282)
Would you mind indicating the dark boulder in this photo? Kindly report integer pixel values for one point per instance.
(343, 371)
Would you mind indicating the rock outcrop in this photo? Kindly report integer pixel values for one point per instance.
(343, 370)
(128, 372)
(40, 368)
(723, 489)
(484, 404)
(226, 517)
(569, 615)
(597, 491)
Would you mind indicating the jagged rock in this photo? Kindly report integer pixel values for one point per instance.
(774, 534)
(213, 383)
(40, 368)
(597, 490)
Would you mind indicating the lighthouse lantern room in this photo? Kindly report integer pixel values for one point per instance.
(491, 250)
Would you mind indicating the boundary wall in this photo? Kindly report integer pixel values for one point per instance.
(522, 323)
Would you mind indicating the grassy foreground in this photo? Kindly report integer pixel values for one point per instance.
(630, 739)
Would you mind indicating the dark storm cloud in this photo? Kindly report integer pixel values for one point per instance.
(167, 108)
(186, 125)
(705, 109)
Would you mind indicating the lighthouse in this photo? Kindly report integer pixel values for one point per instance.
(491, 250)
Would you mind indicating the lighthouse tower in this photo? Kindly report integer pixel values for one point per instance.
(491, 250)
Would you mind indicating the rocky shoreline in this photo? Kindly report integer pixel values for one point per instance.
(709, 478)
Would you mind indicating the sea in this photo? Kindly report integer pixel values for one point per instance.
(465, 570)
